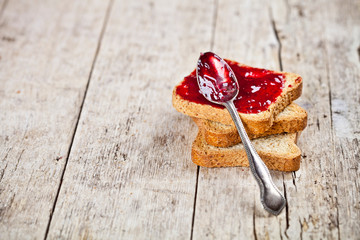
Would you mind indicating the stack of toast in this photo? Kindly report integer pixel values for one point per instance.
(273, 130)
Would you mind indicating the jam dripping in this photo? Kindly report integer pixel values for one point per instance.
(258, 88)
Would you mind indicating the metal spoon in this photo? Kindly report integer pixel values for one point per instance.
(218, 84)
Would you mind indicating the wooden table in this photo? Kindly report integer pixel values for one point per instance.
(91, 147)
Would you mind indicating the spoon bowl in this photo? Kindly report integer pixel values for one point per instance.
(216, 79)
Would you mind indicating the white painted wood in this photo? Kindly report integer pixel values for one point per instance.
(46, 53)
(129, 174)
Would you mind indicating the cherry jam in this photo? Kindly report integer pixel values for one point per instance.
(258, 88)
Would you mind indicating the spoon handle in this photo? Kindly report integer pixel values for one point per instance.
(271, 198)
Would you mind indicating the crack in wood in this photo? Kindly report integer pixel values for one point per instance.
(2, 173)
(293, 174)
(331, 113)
(327, 67)
(286, 209)
(18, 159)
(194, 207)
(254, 224)
(329, 87)
(318, 124)
(103, 28)
(276, 33)
(337, 212)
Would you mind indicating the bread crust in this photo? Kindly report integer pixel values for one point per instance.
(288, 159)
(255, 123)
(292, 119)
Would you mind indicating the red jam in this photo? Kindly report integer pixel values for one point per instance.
(215, 78)
(258, 88)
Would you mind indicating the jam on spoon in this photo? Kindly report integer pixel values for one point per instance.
(215, 78)
(218, 84)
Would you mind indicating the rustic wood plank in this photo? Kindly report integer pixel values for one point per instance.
(343, 59)
(311, 194)
(310, 35)
(228, 200)
(46, 53)
(129, 173)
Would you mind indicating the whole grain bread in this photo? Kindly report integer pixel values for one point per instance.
(255, 123)
(293, 119)
(279, 152)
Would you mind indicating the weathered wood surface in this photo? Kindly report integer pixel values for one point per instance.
(319, 39)
(312, 210)
(46, 54)
(129, 173)
(343, 60)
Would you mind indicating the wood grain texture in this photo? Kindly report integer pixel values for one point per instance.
(343, 59)
(228, 200)
(129, 174)
(46, 54)
(311, 194)
(310, 35)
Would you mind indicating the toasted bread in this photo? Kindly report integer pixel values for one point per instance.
(279, 152)
(255, 123)
(292, 119)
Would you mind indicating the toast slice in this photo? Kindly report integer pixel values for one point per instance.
(293, 119)
(279, 152)
(254, 123)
